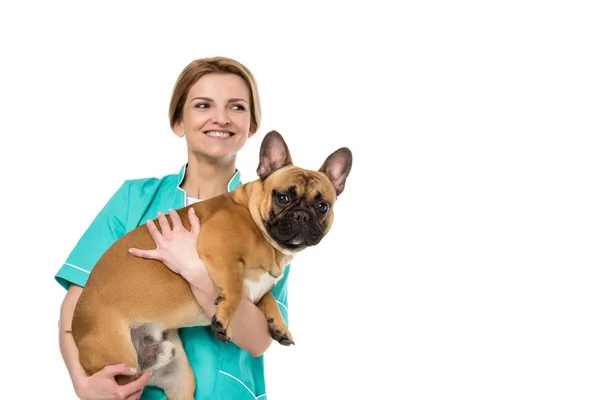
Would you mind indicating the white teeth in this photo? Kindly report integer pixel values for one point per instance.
(218, 134)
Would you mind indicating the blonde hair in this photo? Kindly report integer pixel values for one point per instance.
(219, 65)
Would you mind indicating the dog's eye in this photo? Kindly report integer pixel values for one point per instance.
(323, 207)
(283, 199)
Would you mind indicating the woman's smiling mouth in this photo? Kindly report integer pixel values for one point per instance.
(219, 134)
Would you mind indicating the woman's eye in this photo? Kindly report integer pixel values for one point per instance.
(202, 105)
(238, 107)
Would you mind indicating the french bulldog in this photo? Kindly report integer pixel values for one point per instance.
(247, 237)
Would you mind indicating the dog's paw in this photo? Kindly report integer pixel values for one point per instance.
(219, 330)
(281, 334)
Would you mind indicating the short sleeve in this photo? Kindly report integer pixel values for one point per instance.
(280, 292)
(108, 226)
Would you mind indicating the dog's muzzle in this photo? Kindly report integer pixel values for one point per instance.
(296, 228)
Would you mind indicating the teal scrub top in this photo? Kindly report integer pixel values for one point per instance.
(222, 370)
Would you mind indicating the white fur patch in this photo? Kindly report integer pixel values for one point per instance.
(256, 290)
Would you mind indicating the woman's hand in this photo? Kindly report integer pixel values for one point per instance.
(175, 247)
(103, 386)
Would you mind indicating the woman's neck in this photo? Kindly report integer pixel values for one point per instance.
(205, 179)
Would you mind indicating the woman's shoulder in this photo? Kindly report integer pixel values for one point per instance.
(145, 197)
(153, 183)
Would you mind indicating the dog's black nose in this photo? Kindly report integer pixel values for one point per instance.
(301, 216)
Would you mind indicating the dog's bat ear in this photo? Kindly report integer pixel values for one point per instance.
(337, 167)
(274, 154)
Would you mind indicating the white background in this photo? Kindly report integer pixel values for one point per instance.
(463, 261)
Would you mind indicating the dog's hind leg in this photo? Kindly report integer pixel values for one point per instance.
(108, 345)
(171, 371)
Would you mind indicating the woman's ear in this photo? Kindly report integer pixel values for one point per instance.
(251, 132)
(178, 129)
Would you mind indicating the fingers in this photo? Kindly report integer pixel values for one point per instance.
(177, 224)
(156, 236)
(165, 228)
(135, 395)
(137, 385)
(194, 221)
(175, 219)
(119, 369)
(143, 253)
(164, 224)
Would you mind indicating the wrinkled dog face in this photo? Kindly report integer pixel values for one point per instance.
(297, 207)
(299, 213)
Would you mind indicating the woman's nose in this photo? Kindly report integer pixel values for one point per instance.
(221, 117)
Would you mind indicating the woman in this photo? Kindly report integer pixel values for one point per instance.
(215, 106)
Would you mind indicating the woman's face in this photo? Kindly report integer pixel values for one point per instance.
(216, 116)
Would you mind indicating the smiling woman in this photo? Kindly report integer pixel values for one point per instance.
(215, 107)
(216, 126)
(216, 110)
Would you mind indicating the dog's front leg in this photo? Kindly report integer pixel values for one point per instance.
(277, 327)
(229, 280)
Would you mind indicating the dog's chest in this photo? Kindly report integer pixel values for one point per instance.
(256, 289)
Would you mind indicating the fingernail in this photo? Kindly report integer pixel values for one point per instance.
(133, 370)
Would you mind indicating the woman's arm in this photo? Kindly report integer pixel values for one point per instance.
(68, 349)
(101, 385)
(248, 329)
(176, 248)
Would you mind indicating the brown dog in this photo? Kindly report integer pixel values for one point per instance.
(247, 237)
